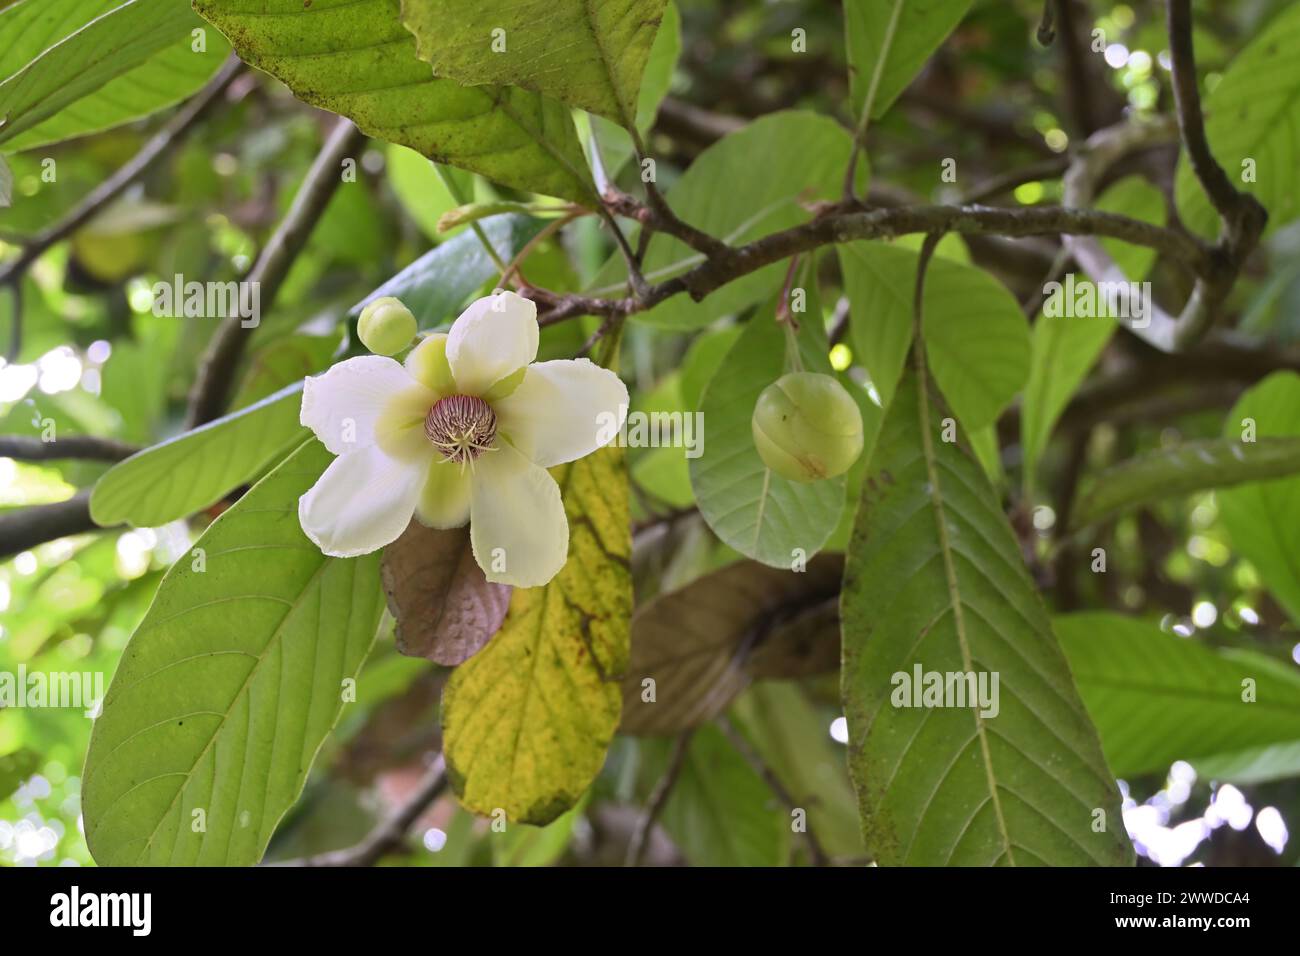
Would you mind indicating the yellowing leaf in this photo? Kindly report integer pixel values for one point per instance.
(354, 57)
(527, 720)
(590, 55)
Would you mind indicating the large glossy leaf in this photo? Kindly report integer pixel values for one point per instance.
(229, 686)
(1185, 468)
(934, 580)
(589, 55)
(184, 474)
(1157, 698)
(744, 186)
(974, 330)
(55, 52)
(889, 41)
(436, 285)
(702, 645)
(354, 57)
(1253, 114)
(762, 515)
(526, 721)
(1262, 517)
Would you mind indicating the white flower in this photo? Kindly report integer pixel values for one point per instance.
(464, 430)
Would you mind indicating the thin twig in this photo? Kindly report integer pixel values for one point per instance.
(216, 372)
(391, 832)
(1236, 209)
(550, 229)
(658, 798)
(1046, 31)
(760, 767)
(458, 197)
(997, 185)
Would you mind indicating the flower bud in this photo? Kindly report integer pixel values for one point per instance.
(807, 427)
(386, 326)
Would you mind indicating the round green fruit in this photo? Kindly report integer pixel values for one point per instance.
(807, 427)
(386, 326)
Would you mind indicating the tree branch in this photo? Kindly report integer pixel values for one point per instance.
(848, 222)
(26, 448)
(216, 373)
(1187, 99)
(654, 806)
(391, 831)
(25, 528)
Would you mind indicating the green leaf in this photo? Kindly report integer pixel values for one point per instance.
(527, 720)
(6, 184)
(762, 515)
(1253, 114)
(420, 189)
(185, 474)
(355, 58)
(229, 686)
(792, 734)
(284, 361)
(172, 74)
(435, 286)
(1064, 349)
(1137, 198)
(704, 643)
(934, 580)
(1186, 468)
(589, 55)
(744, 186)
(701, 362)
(1157, 698)
(720, 812)
(974, 330)
(59, 52)
(615, 143)
(888, 41)
(1261, 518)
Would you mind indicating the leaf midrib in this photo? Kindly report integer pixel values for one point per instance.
(954, 591)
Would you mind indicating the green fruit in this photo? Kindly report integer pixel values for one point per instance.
(386, 326)
(807, 427)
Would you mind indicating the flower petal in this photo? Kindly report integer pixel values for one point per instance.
(563, 410)
(427, 364)
(495, 336)
(444, 500)
(362, 502)
(517, 527)
(361, 401)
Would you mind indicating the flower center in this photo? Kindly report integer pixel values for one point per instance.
(461, 427)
